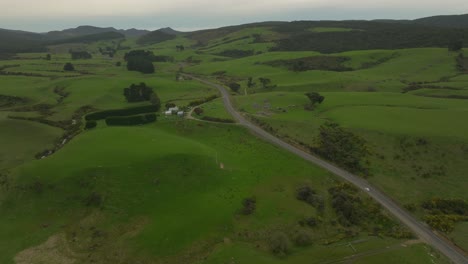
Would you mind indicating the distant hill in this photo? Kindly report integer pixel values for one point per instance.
(452, 21)
(158, 36)
(91, 30)
(90, 38)
(170, 31)
(12, 41)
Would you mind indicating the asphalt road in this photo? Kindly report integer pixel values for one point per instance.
(421, 230)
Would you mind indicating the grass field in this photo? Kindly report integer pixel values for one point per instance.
(171, 191)
(167, 171)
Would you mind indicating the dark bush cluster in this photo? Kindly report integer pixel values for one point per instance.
(80, 55)
(306, 194)
(342, 147)
(249, 205)
(68, 67)
(279, 244)
(234, 87)
(138, 93)
(130, 120)
(347, 204)
(234, 53)
(140, 60)
(446, 206)
(314, 99)
(323, 63)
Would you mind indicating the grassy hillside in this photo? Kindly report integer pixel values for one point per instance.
(188, 191)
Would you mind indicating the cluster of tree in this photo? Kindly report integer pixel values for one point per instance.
(138, 93)
(68, 67)
(323, 63)
(131, 120)
(140, 64)
(365, 36)
(446, 206)
(314, 99)
(140, 60)
(342, 147)
(347, 204)
(180, 48)
(234, 87)
(266, 83)
(80, 55)
(234, 53)
(48, 57)
(109, 51)
(122, 112)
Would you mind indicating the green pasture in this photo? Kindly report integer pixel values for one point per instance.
(214, 108)
(21, 140)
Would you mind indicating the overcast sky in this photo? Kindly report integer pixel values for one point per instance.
(46, 15)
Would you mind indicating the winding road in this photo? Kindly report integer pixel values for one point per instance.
(455, 254)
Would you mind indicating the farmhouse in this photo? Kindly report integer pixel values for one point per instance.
(174, 109)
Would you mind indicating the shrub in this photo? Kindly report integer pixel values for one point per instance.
(90, 124)
(279, 244)
(309, 221)
(94, 199)
(302, 238)
(306, 194)
(249, 205)
(198, 110)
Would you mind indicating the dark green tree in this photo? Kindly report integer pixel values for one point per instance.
(140, 64)
(250, 82)
(48, 57)
(265, 82)
(234, 87)
(314, 98)
(68, 67)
